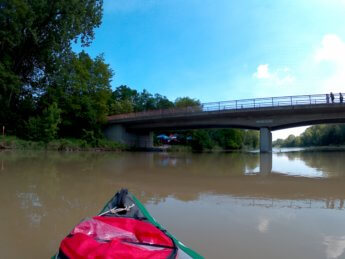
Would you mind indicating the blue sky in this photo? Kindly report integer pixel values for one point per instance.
(216, 50)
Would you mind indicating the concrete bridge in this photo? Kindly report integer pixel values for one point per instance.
(264, 114)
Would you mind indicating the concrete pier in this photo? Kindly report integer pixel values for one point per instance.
(265, 140)
(265, 163)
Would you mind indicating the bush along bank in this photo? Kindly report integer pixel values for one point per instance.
(68, 144)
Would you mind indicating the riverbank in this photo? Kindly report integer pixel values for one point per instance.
(12, 142)
(70, 144)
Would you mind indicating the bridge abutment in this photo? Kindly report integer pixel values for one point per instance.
(265, 140)
(132, 139)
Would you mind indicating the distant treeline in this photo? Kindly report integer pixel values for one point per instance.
(47, 91)
(318, 135)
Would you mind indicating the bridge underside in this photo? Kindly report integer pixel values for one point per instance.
(144, 140)
(137, 131)
(119, 133)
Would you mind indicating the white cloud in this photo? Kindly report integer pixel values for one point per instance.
(280, 76)
(262, 72)
(332, 51)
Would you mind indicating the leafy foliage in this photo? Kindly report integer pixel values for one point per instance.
(228, 138)
(251, 139)
(208, 139)
(318, 135)
(44, 127)
(201, 140)
(33, 37)
(126, 100)
(81, 86)
(184, 102)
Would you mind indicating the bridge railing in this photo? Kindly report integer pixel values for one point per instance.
(270, 102)
(240, 105)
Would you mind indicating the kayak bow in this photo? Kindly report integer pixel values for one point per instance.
(123, 229)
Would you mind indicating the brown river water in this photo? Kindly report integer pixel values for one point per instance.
(224, 205)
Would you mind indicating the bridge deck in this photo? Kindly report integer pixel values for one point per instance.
(260, 107)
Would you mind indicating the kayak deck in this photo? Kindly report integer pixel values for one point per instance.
(123, 229)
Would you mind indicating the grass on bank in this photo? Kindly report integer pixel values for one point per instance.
(70, 144)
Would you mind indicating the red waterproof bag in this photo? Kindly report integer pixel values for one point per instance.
(116, 237)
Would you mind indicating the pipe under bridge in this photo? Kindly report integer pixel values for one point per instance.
(264, 114)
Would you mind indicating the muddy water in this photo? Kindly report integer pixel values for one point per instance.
(288, 205)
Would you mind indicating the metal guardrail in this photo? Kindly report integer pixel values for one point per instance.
(257, 103)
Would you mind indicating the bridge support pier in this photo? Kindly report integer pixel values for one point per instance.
(132, 139)
(265, 140)
(265, 163)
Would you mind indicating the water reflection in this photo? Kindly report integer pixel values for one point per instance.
(304, 164)
(46, 193)
(335, 246)
(232, 224)
(263, 225)
(265, 163)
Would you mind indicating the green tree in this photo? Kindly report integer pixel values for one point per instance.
(122, 100)
(125, 93)
(126, 100)
(44, 127)
(81, 86)
(278, 143)
(323, 135)
(33, 36)
(144, 102)
(120, 107)
(227, 138)
(251, 138)
(201, 140)
(162, 102)
(184, 102)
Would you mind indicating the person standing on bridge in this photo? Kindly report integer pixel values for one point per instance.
(327, 98)
(332, 97)
(341, 97)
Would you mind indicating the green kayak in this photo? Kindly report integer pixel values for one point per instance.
(123, 229)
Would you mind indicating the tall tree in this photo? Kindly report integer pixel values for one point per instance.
(126, 100)
(162, 102)
(33, 36)
(44, 127)
(183, 102)
(81, 87)
(122, 100)
(228, 138)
